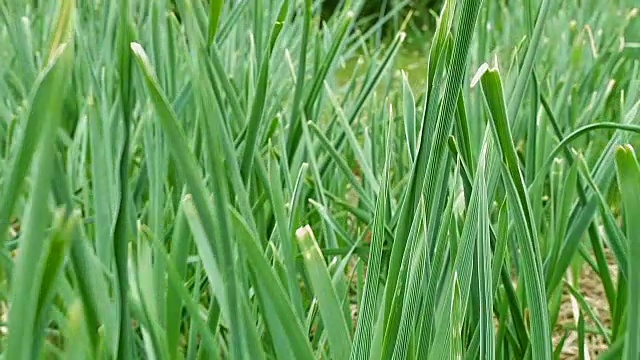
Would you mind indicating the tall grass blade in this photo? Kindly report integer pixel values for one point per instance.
(28, 274)
(334, 322)
(519, 200)
(628, 174)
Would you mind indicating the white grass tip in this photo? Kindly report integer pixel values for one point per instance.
(483, 68)
(58, 51)
(303, 231)
(138, 50)
(136, 47)
(76, 312)
(573, 24)
(625, 148)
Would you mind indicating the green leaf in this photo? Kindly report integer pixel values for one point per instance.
(628, 171)
(28, 273)
(215, 10)
(520, 203)
(334, 321)
(274, 298)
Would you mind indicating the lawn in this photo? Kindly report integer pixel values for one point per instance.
(238, 180)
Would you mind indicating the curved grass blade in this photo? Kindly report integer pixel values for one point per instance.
(584, 130)
(83, 261)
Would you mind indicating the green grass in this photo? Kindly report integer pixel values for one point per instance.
(237, 182)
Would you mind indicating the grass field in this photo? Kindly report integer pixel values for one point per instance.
(230, 180)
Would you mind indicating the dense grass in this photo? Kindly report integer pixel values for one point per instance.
(243, 183)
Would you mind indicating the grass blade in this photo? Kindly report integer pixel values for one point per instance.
(339, 338)
(628, 172)
(533, 274)
(29, 269)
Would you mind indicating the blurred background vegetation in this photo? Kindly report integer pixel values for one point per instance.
(422, 14)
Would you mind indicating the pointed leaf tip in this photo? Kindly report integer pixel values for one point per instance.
(481, 70)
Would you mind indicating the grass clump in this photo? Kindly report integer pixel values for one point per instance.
(242, 183)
